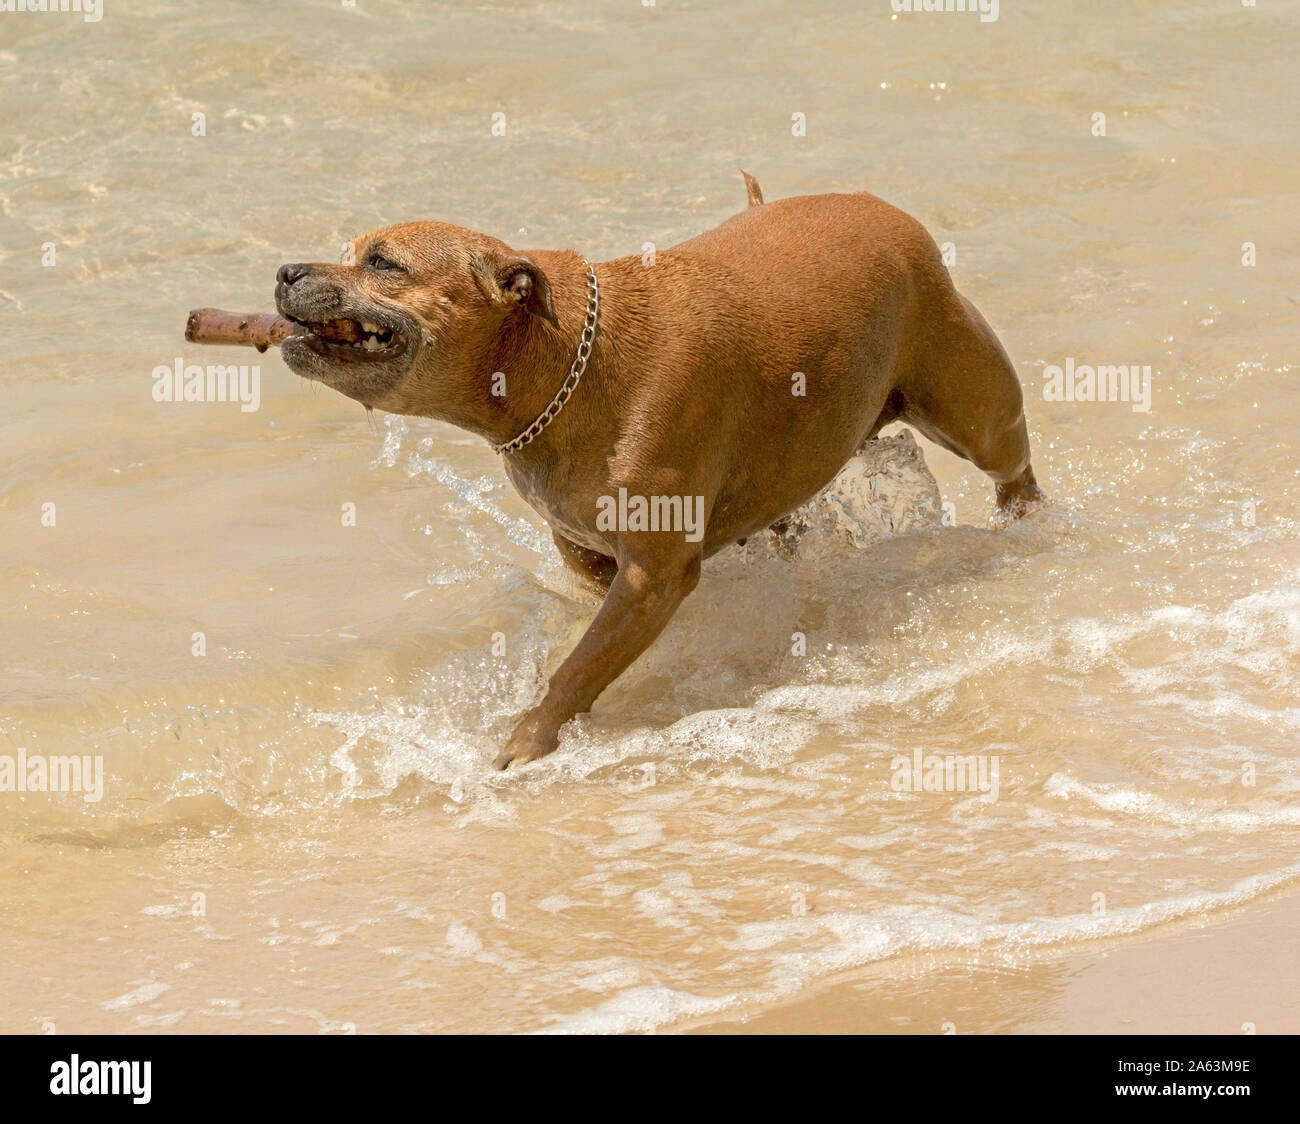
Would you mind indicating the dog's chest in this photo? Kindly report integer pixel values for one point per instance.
(568, 510)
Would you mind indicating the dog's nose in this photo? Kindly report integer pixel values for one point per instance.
(288, 274)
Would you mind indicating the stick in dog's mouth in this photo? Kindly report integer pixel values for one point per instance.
(339, 339)
(332, 337)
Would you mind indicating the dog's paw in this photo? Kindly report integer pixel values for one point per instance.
(1014, 505)
(525, 746)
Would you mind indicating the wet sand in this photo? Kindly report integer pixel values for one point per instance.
(1219, 974)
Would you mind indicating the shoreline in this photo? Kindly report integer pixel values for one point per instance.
(1219, 973)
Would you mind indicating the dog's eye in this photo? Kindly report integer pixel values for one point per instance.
(377, 262)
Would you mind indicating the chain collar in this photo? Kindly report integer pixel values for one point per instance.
(575, 371)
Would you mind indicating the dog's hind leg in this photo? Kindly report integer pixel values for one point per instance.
(965, 396)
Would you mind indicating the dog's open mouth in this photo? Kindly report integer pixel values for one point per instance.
(350, 339)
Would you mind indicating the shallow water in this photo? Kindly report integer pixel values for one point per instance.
(300, 829)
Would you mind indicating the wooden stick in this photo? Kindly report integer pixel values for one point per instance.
(253, 329)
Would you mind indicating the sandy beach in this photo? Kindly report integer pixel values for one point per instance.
(1221, 974)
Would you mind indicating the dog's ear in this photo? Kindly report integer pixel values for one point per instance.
(515, 280)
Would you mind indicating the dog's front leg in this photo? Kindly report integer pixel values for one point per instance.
(641, 600)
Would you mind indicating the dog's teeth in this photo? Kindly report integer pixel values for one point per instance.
(372, 344)
(371, 327)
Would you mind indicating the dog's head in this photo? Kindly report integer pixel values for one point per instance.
(410, 319)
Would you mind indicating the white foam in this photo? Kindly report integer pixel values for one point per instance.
(1132, 802)
(855, 940)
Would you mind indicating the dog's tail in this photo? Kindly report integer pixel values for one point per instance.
(754, 191)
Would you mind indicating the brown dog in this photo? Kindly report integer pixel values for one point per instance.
(729, 379)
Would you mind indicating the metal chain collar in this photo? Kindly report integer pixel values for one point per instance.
(575, 371)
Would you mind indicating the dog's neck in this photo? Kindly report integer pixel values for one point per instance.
(535, 357)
